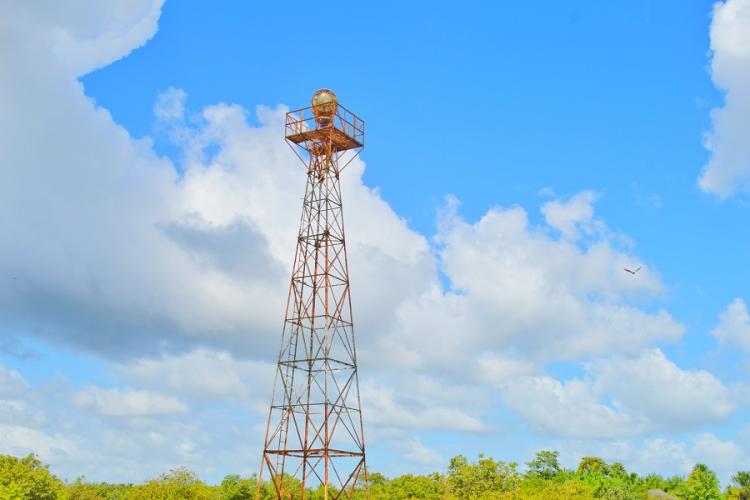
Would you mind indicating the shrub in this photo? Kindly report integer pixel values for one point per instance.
(23, 478)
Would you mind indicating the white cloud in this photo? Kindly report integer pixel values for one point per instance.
(663, 455)
(518, 290)
(734, 325)
(386, 407)
(679, 457)
(81, 35)
(646, 394)
(497, 369)
(567, 409)
(130, 258)
(573, 216)
(170, 105)
(724, 456)
(120, 261)
(21, 440)
(667, 456)
(670, 398)
(12, 383)
(611, 450)
(728, 169)
(127, 403)
(204, 374)
(414, 450)
(22, 421)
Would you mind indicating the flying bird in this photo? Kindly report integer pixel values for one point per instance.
(631, 272)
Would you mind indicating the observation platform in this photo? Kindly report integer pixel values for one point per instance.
(344, 130)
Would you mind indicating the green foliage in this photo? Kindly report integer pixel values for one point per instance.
(22, 478)
(618, 470)
(673, 483)
(611, 482)
(592, 465)
(742, 480)
(545, 465)
(81, 490)
(566, 485)
(408, 487)
(376, 479)
(177, 484)
(233, 487)
(484, 479)
(701, 484)
(741, 488)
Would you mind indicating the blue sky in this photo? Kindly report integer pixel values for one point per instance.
(518, 155)
(490, 103)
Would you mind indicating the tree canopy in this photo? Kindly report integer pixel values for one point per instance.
(482, 479)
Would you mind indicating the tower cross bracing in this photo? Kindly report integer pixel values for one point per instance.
(314, 437)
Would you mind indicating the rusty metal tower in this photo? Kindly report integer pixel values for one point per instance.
(314, 437)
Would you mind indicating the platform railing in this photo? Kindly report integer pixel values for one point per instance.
(303, 120)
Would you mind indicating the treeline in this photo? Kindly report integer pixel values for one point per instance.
(27, 478)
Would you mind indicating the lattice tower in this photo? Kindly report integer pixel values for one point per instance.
(314, 437)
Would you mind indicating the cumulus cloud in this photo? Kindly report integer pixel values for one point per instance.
(667, 454)
(679, 457)
(568, 409)
(22, 440)
(573, 216)
(646, 393)
(414, 450)
(728, 169)
(237, 249)
(498, 369)
(119, 260)
(132, 255)
(518, 291)
(725, 456)
(22, 422)
(205, 375)
(166, 262)
(126, 435)
(127, 403)
(384, 406)
(664, 455)
(81, 35)
(12, 383)
(170, 106)
(734, 325)
(669, 397)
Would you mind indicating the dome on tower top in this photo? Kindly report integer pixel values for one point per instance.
(323, 97)
(324, 104)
